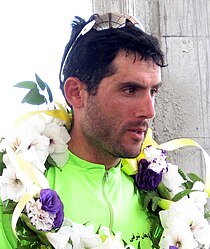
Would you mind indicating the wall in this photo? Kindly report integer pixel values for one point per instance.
(183, 104)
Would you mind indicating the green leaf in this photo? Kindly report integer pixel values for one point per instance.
(8, 206)
(182, 174)
(50, 96)
(164, 191)
(33, 97)
(97, 231)
(183, 193)
(26, 85)
(188, 184)
(41, 235)
(207, 215)
(40, 82)
(155, 232)
(148, 197)
(28, 237)
(2, 165)
(155, 201)
(51, 163)
(44, 85)
(156, 229)
(194, 177)
(24, 247)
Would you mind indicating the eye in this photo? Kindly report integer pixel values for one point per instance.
(129, 90)
(154, 91)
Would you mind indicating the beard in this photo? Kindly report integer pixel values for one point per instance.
(106, 134)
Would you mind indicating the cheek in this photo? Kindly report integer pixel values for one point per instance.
(112, 109)
(116, 112)
(117, 104)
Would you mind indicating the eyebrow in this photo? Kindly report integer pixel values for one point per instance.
(139, 85)
(159, 85)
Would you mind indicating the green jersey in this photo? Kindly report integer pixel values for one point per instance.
(93, 195)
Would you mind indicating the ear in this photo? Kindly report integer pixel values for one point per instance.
(74, 92)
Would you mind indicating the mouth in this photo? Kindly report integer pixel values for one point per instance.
(137, 133)
(137, 130)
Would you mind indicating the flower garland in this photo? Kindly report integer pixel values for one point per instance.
(177, 201)
(181, 197)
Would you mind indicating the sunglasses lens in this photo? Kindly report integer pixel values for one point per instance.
(115, 20)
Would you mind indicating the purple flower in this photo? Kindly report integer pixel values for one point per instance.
(146, 178)
(173, 247)
(51, 203)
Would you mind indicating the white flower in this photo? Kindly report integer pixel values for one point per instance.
(201, 232)
(2, 145)
(183, 236)
(36, 123)
(157, 159)
(152, 153)
(111, 241)
(184, 210)
(59, 137)
(77, 236)
(60, 239)
(158, 166)
(30, 144)
(179, 236)
(83, 236)
(199, 197)
(25, 134)
(184, 214)
(33, 141)
(34, 157)
(41, 219)
(11, 187)
(80, 236)
(198, 185)
(172, 179)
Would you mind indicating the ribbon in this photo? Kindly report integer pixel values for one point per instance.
(183, 142)
(25, 169)
(60, 113)
(21, 204)
(130, 166)
(34, 177)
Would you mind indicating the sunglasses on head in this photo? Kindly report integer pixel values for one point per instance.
(103, 22)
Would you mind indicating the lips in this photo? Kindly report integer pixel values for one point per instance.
(137, 133)
(137, 130)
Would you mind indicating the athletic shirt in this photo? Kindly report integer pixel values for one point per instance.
(93, 195)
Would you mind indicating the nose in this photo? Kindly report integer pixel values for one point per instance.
(146, 107)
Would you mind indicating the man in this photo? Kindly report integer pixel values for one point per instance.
(109, 76)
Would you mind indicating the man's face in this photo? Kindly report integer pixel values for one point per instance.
(114, 121)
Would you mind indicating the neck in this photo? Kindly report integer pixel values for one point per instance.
(81, 148)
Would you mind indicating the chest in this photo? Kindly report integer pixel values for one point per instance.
(102, 199)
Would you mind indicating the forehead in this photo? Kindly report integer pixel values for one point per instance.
(129, 69)
(130, 57)
(131, 64)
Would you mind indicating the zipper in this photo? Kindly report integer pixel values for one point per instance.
(105, 196)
